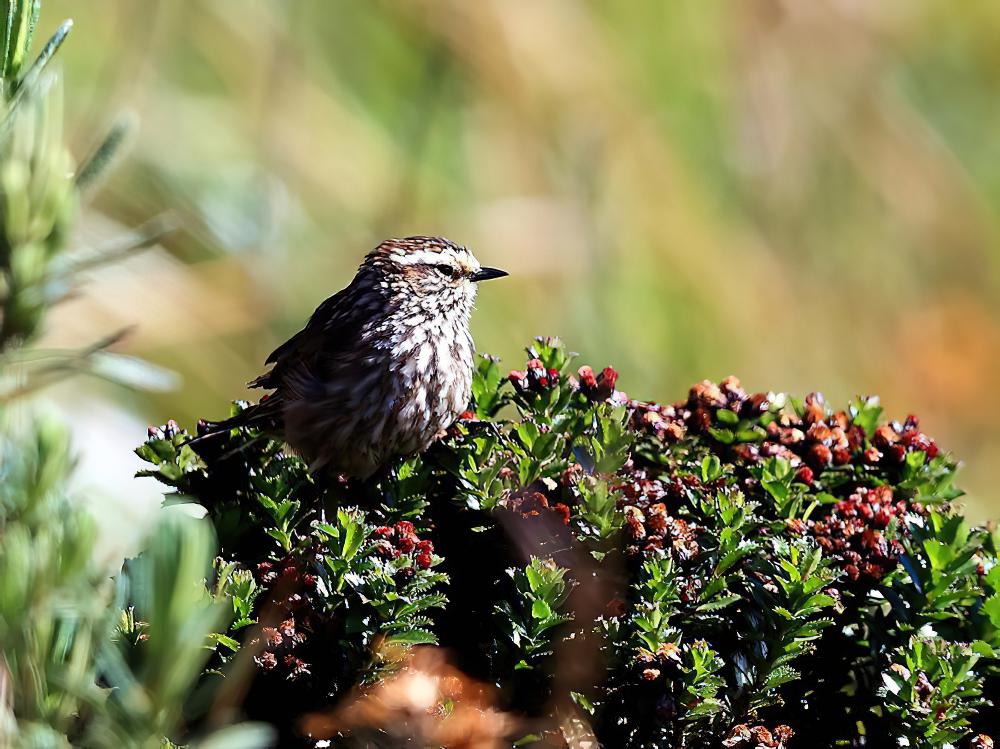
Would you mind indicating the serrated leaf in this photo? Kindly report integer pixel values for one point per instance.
(414, 637)
(779, 676)
(719, 603)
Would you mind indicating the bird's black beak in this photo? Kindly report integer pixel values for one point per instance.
(485, 274)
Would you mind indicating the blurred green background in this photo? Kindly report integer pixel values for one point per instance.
(803, 193)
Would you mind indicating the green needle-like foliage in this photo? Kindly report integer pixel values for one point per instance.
(75, 670)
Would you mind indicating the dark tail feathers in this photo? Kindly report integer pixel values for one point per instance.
(265, 415)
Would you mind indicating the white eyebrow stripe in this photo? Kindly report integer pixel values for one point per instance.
(421, 257)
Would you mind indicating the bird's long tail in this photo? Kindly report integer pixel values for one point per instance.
(265, 415)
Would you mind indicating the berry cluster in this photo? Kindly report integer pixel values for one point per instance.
(280, 647)
(597, 387)
(665, 660)
(894, 441)
(277, 650)
(653, 529)
(855, 532)
(861, 529)
(393, 541)
(758, 737)
(534, 378)
(648, 525)
(530, 504)
(811, 439)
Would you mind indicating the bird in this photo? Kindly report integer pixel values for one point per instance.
(382, 368)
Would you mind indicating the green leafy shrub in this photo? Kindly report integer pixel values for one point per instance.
(732, 570)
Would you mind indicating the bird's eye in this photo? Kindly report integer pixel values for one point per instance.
(447, 270)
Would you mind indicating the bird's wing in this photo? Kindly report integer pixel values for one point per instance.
(333, 328)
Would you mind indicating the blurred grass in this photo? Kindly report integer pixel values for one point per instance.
(805, 194)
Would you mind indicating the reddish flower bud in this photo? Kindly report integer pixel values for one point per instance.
(707, 394)
(814, 408)
(820, 432)
(819, 456)
(841, 456)
(796, 526)
(733, 390)
(272, 637)
(424, 560)
(805, 475)
(783, 734)
(791, 436)
(386, 550)
(266, 660)
(885, 436)
(755, 405)
(518, 378)
(674, 431)
(296, 666)
(608, 378)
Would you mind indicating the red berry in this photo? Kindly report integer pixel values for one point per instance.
(841, 456)
(819, 456)
(424, 560)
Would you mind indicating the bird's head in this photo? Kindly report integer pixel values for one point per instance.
(432, 273)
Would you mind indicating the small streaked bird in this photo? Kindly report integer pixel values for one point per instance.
(382, 368)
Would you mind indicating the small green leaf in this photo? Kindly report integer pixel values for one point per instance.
(540, 609)
(728, 417)
(725, 436)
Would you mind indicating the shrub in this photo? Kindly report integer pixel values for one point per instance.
(732, 570)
